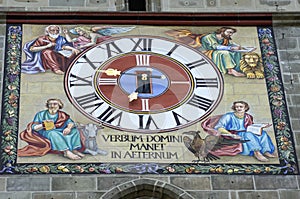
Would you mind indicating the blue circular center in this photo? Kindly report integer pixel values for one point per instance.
(148, 82)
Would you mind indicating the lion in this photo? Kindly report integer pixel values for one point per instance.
(251, 65)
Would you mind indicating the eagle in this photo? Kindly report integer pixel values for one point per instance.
(202, 148)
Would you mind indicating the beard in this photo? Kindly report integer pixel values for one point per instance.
(54, 36)
(226, 36)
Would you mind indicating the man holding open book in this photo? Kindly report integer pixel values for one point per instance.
(239, 124)
(52, 130)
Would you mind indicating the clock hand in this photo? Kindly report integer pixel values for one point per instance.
(133, 96)
(145, 75)
(111, 72)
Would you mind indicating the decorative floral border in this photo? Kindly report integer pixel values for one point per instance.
(9, 123)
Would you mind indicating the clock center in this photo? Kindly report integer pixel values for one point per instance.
(148, 82)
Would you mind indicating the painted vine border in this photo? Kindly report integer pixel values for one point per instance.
(9, 124)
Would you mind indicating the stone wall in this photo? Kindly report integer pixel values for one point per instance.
(287, 33)
(153, 5)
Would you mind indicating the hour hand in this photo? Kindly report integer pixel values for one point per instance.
(111, 72)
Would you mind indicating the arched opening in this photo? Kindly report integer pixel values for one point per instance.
(146, 189)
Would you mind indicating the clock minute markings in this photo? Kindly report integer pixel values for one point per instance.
(197, 63)
(88, 101)
(80, 81)
(200, 102)
(206, 82)
(177, 118)
(147, 125)
(107, 115)
(172, 49)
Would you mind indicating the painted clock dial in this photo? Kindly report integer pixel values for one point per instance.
(143, 84)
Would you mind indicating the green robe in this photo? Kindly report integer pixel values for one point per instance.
(224, 59)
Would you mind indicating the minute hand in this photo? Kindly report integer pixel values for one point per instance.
(149, 76)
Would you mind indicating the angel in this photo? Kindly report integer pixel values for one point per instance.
(87, 37)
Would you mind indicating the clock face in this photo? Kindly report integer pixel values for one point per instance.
(144, 84)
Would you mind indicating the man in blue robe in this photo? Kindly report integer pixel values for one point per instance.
(58, 129)
(235, 124)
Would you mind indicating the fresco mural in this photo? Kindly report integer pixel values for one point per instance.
(143, 99)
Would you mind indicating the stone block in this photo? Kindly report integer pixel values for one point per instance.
(275, 2)
(275, 5)
(211, 3)
(296, 127)
(73, 183)
(275, 182)
(106, 183)
(156, 177)
(15, 195)
(172, 191)
(236, 4)
(290, 56)
(292, 31)
(97, 1)
(192, 183)
(293, 112)
(210, 194)
(258, 194)
(89, 195)
(289, 194)
(146, 184)
(232, 182)
(297, 137)
(66, 3)
(56, 195)
(295, 99)
(2, 184)
(28, 184)
(288, 67)
(25, 3)
(286, 44)
(185, 4)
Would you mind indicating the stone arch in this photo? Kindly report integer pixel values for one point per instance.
(146, 189)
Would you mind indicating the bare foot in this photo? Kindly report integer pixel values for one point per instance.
(235, 73)
(70, 155)
(271, 155)
(260, 157)
(58, 72)
(78, 153)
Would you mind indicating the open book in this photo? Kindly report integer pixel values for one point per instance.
(257, 128)
(245, 49)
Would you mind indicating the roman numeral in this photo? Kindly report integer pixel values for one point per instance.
(173, 49)
(89, 62)
(111, 49)
(148, 123)
(143, 44)
(88, 101)
(108, 81)
(145, 104)
(80, 81)
(196, 63)
(200, 102)
(107, 116)
(177, 116)
(206, 82)
(142, 60)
